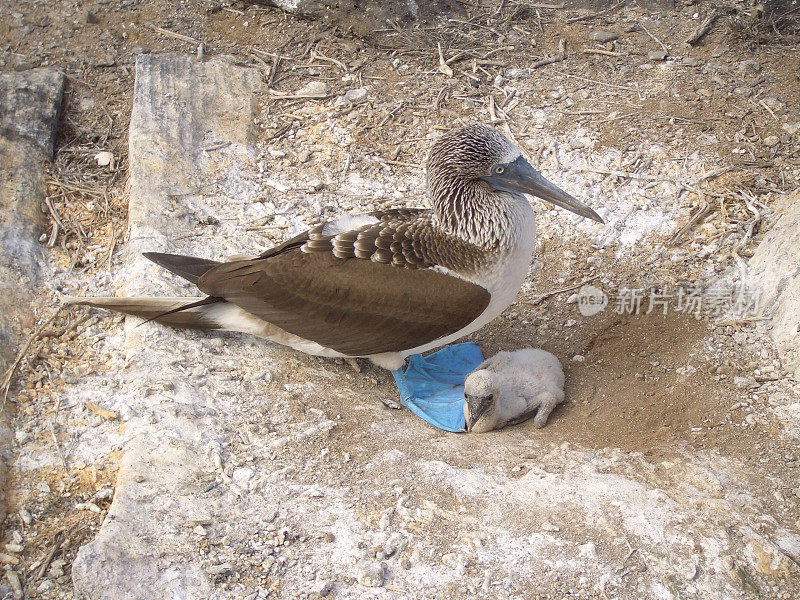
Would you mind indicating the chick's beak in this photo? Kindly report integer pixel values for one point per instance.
(475, 407)
(519, 176)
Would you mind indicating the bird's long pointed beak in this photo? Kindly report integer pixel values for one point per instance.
(469, 417)
(520, 176)
(474, 408)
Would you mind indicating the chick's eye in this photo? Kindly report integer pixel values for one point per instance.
(499, 170)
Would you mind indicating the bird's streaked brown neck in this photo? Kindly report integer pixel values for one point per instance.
(471, 210)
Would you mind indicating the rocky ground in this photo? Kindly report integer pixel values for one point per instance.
(178, 464)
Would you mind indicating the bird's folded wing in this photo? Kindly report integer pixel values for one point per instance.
(390, 218)
(355, 306)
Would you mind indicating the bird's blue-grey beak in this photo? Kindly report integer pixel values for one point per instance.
(519, 176)
(475, 407)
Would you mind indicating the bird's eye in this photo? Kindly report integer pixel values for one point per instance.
(498, 170)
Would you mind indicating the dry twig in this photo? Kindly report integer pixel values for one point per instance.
(655, 39)
(562, 54)
(602, 52)
(316, 55)
(547, 295)
(698, 216)
(597, 14)
(55, 438)
(172, 34)
(47, 559)
(751, 225)
(5, 382)
(443, 66)
(704, 28)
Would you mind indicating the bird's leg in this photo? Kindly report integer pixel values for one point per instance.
(546, 402)
(402, 384)
(353, 362)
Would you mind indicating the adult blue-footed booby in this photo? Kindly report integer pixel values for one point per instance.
(383, 285)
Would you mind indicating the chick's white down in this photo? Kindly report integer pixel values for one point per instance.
(520, 383)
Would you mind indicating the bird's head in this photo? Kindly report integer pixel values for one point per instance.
(479, 153)
(481, 394)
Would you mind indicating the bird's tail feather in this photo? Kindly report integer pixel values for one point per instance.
(188, 267)
(174, 312)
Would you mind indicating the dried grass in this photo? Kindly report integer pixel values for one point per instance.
(84, 203)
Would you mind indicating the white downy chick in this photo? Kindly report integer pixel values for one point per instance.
(510, 387)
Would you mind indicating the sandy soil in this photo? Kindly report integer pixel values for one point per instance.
(659, 386)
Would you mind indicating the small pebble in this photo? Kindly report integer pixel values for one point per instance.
(603, 36)
(372, 574)
(719, 50)
(57, 568)
(105, 493)
(104, 158)
(657, 55)
(356, 96)
(314, 89)
(791, 128)
(221, 568)
(744, 382)
(578, 358)
(749, 67)
(772, 140)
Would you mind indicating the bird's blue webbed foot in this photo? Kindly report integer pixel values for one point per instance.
(432, 386)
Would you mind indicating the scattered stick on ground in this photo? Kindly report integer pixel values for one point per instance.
(751, 225)
(699, 215)
(53, 423)
(654, 38)
(443, 66)
(602, 52)
(177, 36)
(562, 54)
(597, 14)
(704, 28)
(5, 382)
(547, 295)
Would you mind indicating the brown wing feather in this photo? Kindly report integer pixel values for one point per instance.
(355, 306)
(315, 233)
(155, 308)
